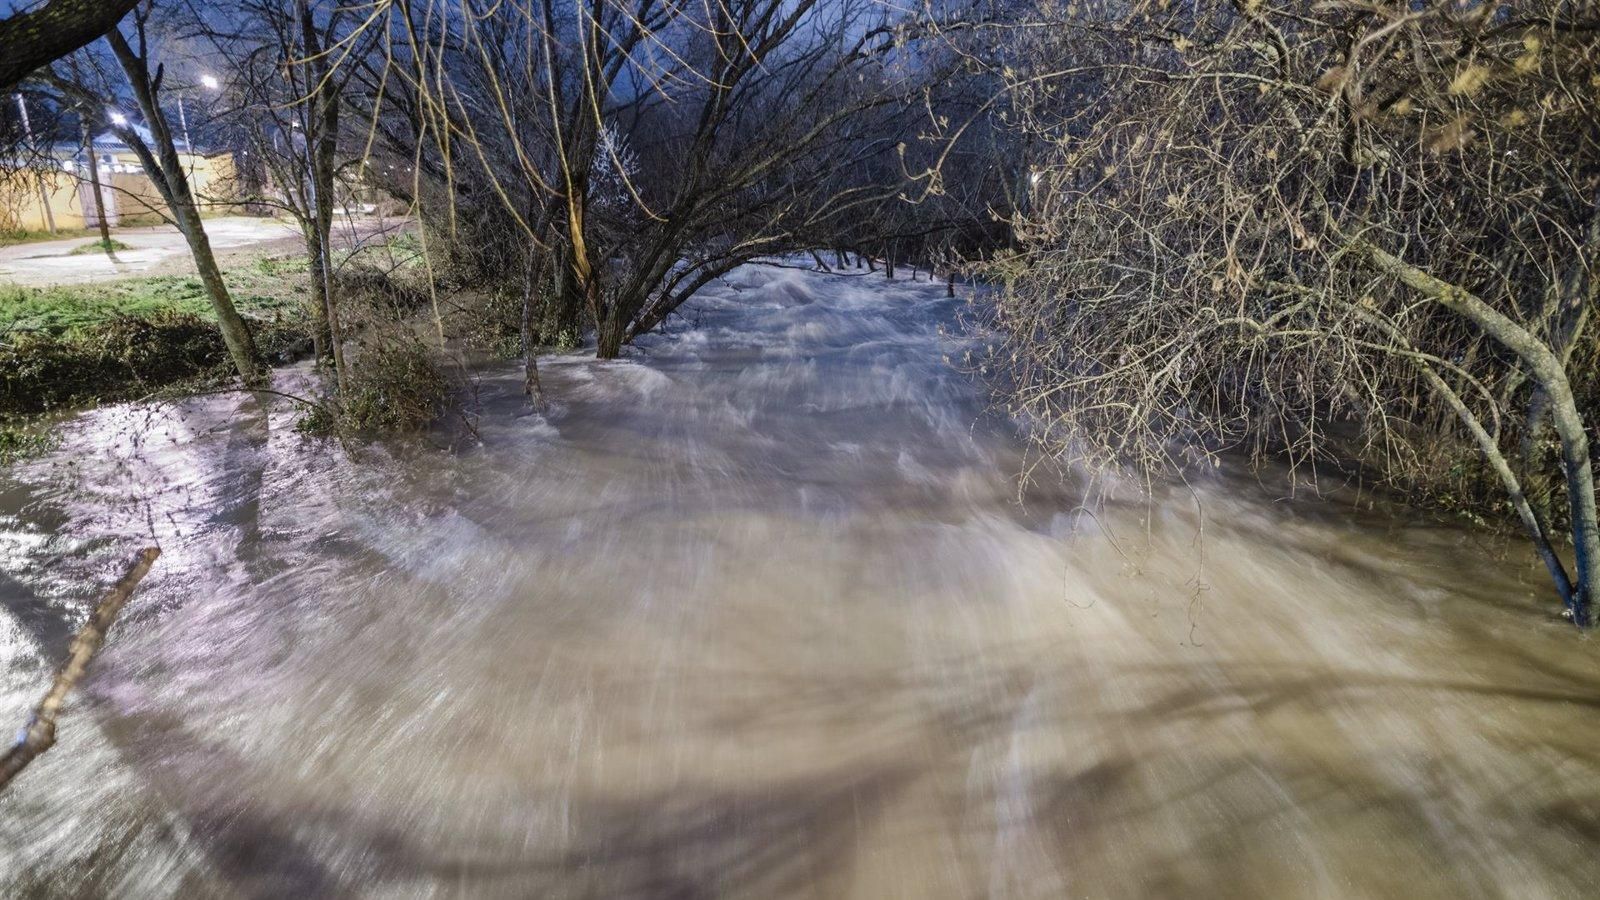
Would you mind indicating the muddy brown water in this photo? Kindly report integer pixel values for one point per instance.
(756, 613)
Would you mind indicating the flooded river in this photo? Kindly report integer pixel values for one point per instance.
(757, 613)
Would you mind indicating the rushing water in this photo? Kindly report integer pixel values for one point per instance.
(758, 613)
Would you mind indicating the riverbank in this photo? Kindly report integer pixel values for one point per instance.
(74, 342)
(68, 347)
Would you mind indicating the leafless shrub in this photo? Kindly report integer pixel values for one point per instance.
(1352, 231)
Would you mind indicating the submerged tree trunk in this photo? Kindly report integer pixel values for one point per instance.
(561, 320)
(530, 350)
(1533, 522)
(609, 336)
(40, 733)
(1548, 370)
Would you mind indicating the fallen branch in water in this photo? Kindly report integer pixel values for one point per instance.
(40, 734)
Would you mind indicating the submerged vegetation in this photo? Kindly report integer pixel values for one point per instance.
(1359, 238)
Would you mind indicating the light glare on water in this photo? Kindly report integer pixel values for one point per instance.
(756, 613)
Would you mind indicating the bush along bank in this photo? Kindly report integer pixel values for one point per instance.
(94, 348)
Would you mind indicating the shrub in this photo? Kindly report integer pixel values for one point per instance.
(394, 388)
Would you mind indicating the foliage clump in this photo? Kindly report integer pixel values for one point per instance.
(395, 387)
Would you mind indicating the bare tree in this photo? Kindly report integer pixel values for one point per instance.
(641, 150)
(286, 102)
(165, 169)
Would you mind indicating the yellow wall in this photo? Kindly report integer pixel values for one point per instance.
(20, 206)
(132, 194)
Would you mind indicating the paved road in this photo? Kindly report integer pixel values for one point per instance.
(158, 249)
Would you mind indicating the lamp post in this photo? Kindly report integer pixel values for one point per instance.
(44, 195)
(183, 124)
(210, 83)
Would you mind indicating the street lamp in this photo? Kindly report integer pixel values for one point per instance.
(210, 83)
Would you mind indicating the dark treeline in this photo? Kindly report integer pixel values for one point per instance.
(591, 164)
(619, 155)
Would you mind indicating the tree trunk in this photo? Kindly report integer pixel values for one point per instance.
(530, 351)
(1580, 494)
(321, 350)
(561, 322)
(1549, 371)
(241, 347)
(609, 336)
(322, 137)
(1532, 522)
(169, 178)
(40, 36)
(94, 185)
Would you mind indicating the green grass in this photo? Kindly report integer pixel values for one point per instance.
(64, 309)
(277, 266)
(110, 245)
(21, 236)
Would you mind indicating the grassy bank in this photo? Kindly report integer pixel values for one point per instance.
(266, 289)
(9, 237)
(64, 347)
